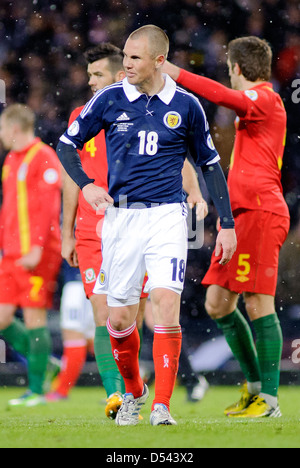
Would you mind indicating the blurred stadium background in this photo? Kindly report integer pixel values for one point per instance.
(41, 62)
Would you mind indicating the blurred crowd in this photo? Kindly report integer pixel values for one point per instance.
(41, 62)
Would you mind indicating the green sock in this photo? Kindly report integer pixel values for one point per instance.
(38, 356)
(17, 336)
(269, 343)
(239, 337)
(108, 369)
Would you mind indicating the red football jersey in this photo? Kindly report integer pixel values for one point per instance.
(30, 213)
(254, 178)
(94, 162)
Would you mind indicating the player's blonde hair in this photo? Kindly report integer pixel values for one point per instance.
(159, 43)
(21, 114)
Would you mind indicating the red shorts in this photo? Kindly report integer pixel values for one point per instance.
(254, 266)
(34, 288)
(89, 252)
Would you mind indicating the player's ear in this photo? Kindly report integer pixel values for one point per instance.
(159, 61)
(120, 75)
(237, 69)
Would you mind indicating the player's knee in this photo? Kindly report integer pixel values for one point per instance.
(217, 309)
(166, 309)
(6, 316)
(212, 308)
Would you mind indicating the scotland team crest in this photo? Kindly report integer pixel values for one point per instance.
(102, 277)
(172, 120)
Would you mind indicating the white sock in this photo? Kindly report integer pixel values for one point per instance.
(254, 388)
(269, 399)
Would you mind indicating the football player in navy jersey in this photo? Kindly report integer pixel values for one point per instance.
(150, 125)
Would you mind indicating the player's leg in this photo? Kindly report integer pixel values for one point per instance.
(89, 253)
(39, 347)
(125, 342)
(125, 345)
(221, 305)
(270, 235)
(269, 343)
(73, 360)
(73, 313)
(108, 370)
(165, 258)
(12, 329)
(166, 351)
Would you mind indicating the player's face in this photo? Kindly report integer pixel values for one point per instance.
(99, 75)
(6, 133)
(139, 65)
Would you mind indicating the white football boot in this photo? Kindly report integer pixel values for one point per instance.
(160, 416)
(128, 414)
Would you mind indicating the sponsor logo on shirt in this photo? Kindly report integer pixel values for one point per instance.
(123, 117)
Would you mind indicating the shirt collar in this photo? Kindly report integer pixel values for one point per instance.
(166, 95)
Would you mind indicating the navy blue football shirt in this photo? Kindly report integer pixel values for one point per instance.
(147, 139)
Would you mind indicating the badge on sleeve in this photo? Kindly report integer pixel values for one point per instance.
(252, 94)
(73, 130)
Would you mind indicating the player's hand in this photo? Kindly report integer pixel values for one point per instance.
(226, 245)
(68, 251)
(97, 197)
(31, 260)
(196, 200)
(171, 70)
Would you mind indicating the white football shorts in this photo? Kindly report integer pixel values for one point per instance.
(76, 311)
(136, 241)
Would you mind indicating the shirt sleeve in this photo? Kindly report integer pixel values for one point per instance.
(87, 125)
(214, 92)
(201, 145)
(1, 231)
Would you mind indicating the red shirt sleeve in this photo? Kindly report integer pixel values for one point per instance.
(214, 92)
(1, 231)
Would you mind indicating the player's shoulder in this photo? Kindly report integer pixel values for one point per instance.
(74, 114)
(46, 155)
(187, 95)
(262, 92)
(101, 96)
(190, 103)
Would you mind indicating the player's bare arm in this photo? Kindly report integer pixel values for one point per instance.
(70, 205)
(171, 70)
(31, 260)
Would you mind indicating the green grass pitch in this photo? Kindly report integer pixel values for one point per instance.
(80, 423)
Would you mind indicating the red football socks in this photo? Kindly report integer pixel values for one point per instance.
(166, 353)
(74, 358)
(125, 349)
